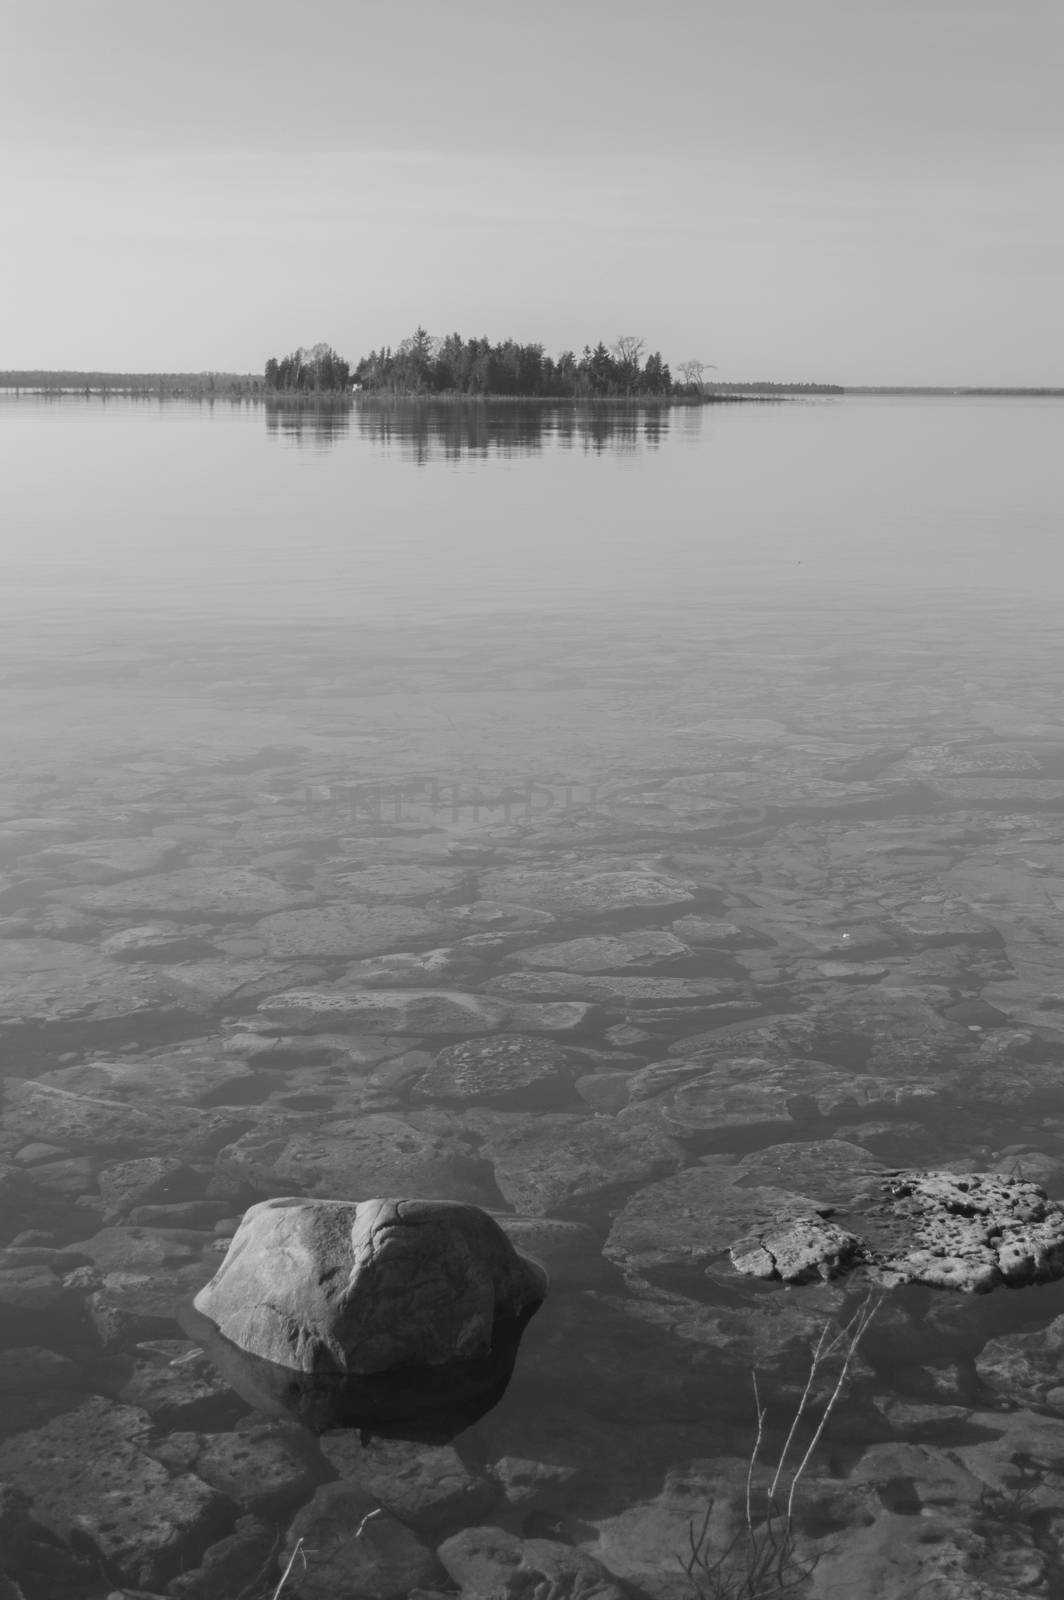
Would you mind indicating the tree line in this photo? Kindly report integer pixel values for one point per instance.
(318, 370)
(424, 365)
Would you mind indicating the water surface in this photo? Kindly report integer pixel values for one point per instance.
(719, 750)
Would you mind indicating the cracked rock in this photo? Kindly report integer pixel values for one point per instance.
(969, 1231)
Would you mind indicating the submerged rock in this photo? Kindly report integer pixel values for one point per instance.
(546, 1162)
(359, 1549)
(155, 941)
(607, 990)
(342, 1154)
(45, 1112)
(489, 1561)
(92, 1482)
(689, 1218)
(57, 984)
(1026, 1368)
(418, 1011)
(261, 1467)
(576, 890)
(499, 1067)
(126, 1184)
(428, 1486)
(192, 891)
(366, 1286)
(420, 969)
(347, 932)
(741, 1091)
(606, 952)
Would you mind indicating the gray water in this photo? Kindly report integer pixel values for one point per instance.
(229, 512)
(265, 672)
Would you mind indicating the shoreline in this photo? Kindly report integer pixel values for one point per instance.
(344, 399)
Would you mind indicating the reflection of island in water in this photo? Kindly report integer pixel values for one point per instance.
(426, 430)
(429, 1405)
(317, 423)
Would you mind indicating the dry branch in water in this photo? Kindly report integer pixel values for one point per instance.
(761, 1562)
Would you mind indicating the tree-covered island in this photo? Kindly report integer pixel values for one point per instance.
(424, 365)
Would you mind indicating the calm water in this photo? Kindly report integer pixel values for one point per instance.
(265, 672)
(232, 511)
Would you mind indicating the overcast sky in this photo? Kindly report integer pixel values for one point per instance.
(845, 190)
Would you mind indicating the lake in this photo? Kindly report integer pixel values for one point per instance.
(644, 824)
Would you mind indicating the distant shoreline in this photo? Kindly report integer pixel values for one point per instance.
(959, 391)
(241, 390)
(250, 386)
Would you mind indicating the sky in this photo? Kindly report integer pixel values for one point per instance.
(846, 191)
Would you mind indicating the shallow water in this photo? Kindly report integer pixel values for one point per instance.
(286, 692)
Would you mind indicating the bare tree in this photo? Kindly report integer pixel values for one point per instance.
(691, 372)
(627, 352)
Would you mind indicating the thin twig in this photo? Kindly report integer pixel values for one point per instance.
(769, 1566)
(814, 1367)
(298, 1551)
(754, 1452)
(862, 1318)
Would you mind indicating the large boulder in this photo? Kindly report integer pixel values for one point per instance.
(365, 1286)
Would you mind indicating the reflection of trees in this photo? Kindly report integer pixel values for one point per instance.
(424, 430)
(319, 423)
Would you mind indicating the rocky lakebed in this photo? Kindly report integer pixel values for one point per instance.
(721, 967)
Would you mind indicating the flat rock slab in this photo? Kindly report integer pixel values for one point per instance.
(428, 1486)
(192, 891)
(183, 1076)
(969, 1231)
(711, 932)
(496, 1068)
(831, 1169)
(261, 1468)
(369, 1154)
(346, 932)
(145, 1250)
(57, 980)
(690, 1218)
(401, 882)
(418, 1011)
(90, 1478)
(30, 1289)
(547, 1163)
(1026, 1368)
(178, 1392)
(358, 1550)
(606, 952)
(424, 969)
(580, 890)
(104, 860)
(155, 941)
(618, 990)
(550, 1016)
(228, 983)
(489, 1561)
(91, 1122)
(883, 1031)
(852, 971)
(943, 923)
(742, 1091)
